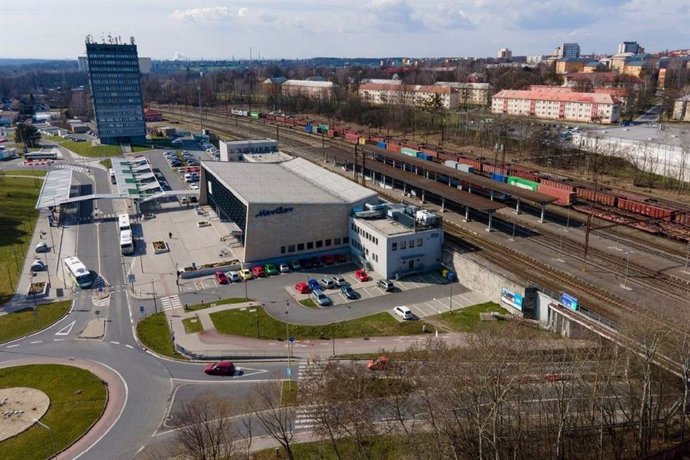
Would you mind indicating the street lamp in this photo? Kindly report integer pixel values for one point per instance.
(52, 436)
(287, 332)
(198, 89)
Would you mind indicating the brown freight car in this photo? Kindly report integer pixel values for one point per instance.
(588, 194)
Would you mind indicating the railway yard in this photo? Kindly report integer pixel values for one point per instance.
(625, 272)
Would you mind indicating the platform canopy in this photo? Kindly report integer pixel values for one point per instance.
(56, 188)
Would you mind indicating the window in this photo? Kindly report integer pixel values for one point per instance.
(300, 247)
(336, 241)
(394, 247)
(403, 245)
(420, 242)
(411, 243)
(346, 239)
(328, 242)
(282, 249)
(291, 248)
(310, 245)
(319, 244)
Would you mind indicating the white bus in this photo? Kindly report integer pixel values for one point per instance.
(77, 270)
(123, 222)
(126, 243)
(41, 155)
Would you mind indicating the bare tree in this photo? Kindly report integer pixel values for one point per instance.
(275, 418)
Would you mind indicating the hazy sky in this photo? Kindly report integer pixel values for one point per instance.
(341, 28)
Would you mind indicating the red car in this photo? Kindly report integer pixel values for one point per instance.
(221, 278)
(362, 275)
(328, 259)
(258, 271)
(220, 368)
(340, 258)
(378, 364)
(302, 288)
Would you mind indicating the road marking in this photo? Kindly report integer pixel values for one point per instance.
(12, 346)
(36, 341)
(58, 340)
(171, 302)
(67, 329)
(129, 346)
(140, 449)
(114, 342)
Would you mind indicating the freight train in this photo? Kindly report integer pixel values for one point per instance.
(567, 191)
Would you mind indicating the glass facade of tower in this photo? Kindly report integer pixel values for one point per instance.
(118, 103)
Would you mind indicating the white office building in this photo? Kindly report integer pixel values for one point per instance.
(234, 150)
(396, 240)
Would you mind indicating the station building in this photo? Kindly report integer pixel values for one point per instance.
(395, 239)
(282, 211)
(234, 150)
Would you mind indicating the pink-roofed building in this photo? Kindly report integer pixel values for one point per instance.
(557, 104)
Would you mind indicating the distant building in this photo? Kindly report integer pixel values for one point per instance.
(470, 93)
(381, 81)
(630, 47)
(570, 65)
(8, 117)
(602, 80)
(152, 115)
(558, 103)
(569, 50)
(504, 53)
(311, 89)
(115, 81)
(681, 109)
(234, 150)
(410, 95)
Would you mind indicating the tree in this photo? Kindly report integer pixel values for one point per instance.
(27, 134)
(275, 418)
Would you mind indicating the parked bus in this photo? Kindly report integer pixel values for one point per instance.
(123, 222)
(78, 272)
(41, 155)
(126, 243)
(112, 176)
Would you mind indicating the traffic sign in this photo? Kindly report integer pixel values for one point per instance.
(141, 309)
(291, 340)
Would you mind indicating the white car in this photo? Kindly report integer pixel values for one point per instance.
(37, 266)
(42, 247)
(284, 268)
(234, 276)
(194, 186)
(403, 312)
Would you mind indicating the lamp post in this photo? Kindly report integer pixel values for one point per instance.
(52, 436)
(450, 305)
(198, 89)
(287, 332)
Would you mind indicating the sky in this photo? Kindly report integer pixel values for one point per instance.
(273, 29)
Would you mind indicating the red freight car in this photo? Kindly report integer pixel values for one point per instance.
(556, 184)
(598, 197)
(431, 153)
(645, 209)
(683, 219)
(489, 168)
(525, 174)
(565, 197)
(352, 137)
(394, 147)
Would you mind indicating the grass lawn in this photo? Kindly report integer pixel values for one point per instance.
(24, 172)
(154, 333)
(23, 322)
(107, 163)
(244, 323)
(308, 303)
(85, 149)
(77, 400)
(231, 300)
(288, 393)
(192, 325)
(17, 221)
(467, 319)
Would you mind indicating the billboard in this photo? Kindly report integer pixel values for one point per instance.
(569, 301)
(511, 298)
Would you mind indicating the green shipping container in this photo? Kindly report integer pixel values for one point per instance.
(323, 128)
(409, 152)
(255, 115)
(522, 183)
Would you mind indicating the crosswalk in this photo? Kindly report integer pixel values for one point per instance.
(80, 169)
(306, 415)
(171, 302)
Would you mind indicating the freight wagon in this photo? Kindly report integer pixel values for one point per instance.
(523, 183)
(645, 209)
(565, 197)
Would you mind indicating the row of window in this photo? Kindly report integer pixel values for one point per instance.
(290, 248)
(407, 244)
(364, 251)
(363, 233)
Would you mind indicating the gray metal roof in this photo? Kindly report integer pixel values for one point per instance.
(56, 187)
(294, 181)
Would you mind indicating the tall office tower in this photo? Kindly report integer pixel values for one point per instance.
(115, 81)
(570, 50)
(630, 47)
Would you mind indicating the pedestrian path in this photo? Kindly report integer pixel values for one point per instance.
(171, 302)
(72, 167)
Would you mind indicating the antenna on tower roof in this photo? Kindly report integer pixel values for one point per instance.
(131, 40)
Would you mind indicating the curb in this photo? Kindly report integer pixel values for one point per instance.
(44, 329)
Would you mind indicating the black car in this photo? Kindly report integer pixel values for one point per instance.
(348, 291)
(306, 264)
(316, 262)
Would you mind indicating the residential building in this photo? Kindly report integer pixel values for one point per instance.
(570, 65)
(152, 115)
(410, 95)
(504, 53)
(8, 117)
(381, 81)
(602, 80)
(311, 89)
(558, 103)
(681, 109)
(470, 93)
(115, 81)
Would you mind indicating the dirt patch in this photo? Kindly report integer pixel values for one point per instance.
(19, 407)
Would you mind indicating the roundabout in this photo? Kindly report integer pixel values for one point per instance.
(21, 407)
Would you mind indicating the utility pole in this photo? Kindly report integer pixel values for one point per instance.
(201, 120)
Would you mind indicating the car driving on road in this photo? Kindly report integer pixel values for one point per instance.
(220, 368)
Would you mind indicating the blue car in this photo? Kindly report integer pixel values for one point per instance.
(313, 284)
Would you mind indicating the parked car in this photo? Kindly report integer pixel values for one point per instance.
(295, 265)
(378, 364)
(258, 271)
(340, 258)
(42, 247)
(221, 278)
(362, 275)
(37, 266)
(271, 270)
(220, 368)
(386, 285)
(192, 162)
(245, 274)
(403, 312)
(350, 293)
(321, 298)
(194, 186)
(316, 262)
(313, 284)
(284, 268)
(306, 264)
(339, 280)
(328, 259)
(326, 283)
(302, 288)
(234, 276)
